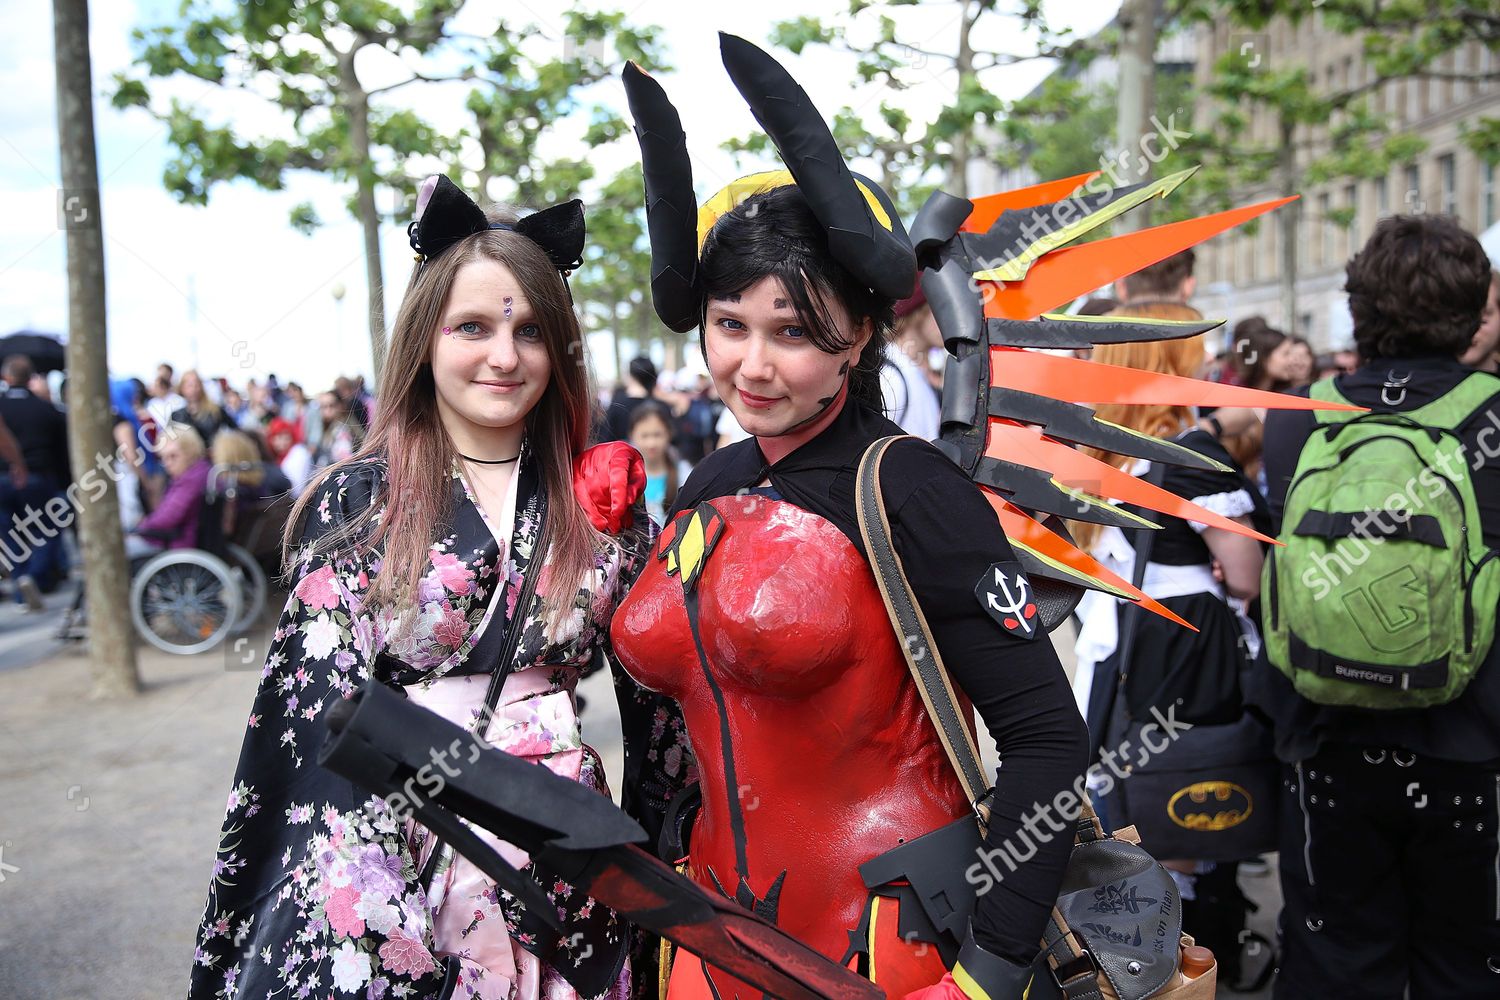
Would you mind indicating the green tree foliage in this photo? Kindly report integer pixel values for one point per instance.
(299, 56)
(908, 163)
(520, 83)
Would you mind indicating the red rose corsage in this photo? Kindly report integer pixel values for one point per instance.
(608, 479)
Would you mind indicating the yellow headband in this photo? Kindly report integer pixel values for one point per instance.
(736, 191)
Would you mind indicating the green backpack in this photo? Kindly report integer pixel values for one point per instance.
(1384, 595)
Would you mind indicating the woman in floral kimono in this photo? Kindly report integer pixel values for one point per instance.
(471, 555)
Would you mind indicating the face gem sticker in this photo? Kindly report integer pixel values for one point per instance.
(1006, 594)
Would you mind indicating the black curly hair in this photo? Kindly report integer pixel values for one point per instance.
(1417, 288)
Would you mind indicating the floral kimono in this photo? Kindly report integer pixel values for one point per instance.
(321, 890)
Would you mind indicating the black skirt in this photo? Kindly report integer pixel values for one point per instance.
(1195, 675)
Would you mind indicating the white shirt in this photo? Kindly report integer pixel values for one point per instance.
(298, 466)
(909, 399)
(161, 408)
(729, 429)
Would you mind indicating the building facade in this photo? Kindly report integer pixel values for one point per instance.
(1239, 273)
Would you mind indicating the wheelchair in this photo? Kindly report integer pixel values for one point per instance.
(186, 601)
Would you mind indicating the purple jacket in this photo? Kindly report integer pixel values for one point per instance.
(175, 520)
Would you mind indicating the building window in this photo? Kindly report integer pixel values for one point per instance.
(1325, 209)
(1413, 195)
(1448, 173)
(1382, 197)
(1487, 197)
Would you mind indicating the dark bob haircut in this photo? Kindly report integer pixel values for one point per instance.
(1417, 288)
(775, 234)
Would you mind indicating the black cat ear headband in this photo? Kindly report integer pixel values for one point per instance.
(445, 215)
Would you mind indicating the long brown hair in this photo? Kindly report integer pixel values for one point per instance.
(1169, 357)
(409, 437)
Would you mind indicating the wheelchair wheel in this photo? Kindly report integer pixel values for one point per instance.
(184, 601)
(252, 581)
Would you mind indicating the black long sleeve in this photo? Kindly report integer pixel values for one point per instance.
(948, 538)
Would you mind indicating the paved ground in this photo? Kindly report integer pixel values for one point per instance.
(110, 811)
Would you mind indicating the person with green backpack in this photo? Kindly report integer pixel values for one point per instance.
(1379, 619)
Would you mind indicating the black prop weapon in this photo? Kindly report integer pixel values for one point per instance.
(380, 741)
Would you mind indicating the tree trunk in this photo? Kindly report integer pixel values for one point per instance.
(90, 435)
(1137, 95)
(358, 106)
(958, 177)
(1289, 220)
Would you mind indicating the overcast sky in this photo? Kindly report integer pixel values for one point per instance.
(233, 290)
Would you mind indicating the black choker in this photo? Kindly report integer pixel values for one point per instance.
(480, 461)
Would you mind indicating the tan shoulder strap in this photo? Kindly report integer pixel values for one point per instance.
(911, 626)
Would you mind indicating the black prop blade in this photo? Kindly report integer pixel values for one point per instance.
(379, 740)
(1054, 331)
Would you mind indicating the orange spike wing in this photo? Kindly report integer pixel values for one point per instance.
(988, 209)
(1072, 468)
(1011, 417)
(1093, 383)
(1044, 553)
(1063, 275)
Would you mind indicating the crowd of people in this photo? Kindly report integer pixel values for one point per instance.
(277, 438)
(1408, 353)
(799, 595)
(270, 438)
(674, 419)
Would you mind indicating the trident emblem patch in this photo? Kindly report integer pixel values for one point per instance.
(1006, 594)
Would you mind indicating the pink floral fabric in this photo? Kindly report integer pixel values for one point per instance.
(315, 889)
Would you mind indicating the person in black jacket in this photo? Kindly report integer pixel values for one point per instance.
(41, 432)
(1390, 866)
